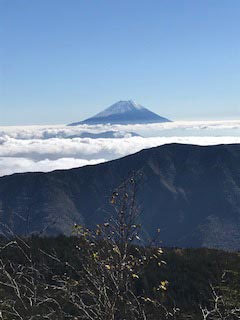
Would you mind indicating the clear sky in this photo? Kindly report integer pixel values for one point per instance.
(64, 60)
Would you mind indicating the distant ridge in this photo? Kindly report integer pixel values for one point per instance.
(124, 112)
(191, 193)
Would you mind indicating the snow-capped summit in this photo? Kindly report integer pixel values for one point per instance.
(124, 112)
(119, 108)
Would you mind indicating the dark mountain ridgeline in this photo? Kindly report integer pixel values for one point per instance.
(192, 193)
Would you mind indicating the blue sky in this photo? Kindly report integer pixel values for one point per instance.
(64, 60)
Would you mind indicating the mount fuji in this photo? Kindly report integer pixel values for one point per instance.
(124, 112)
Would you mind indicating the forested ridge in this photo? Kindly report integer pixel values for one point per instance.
(114, 271)
(192, 193)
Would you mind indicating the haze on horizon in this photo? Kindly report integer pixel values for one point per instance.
(64, 61)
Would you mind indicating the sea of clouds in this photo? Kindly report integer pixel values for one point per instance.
(47, 148)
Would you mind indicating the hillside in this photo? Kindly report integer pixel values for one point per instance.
(192, 193)
(188, 271)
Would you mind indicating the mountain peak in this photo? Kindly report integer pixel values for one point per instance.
(120, 107)
(124, 112)
(128, 103)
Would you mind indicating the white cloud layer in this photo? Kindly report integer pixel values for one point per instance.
(46, 148)
(17, 165)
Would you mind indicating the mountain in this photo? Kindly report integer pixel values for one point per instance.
(192, 193)
(124, 112)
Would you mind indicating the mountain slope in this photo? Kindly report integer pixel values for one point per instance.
(192, 193)
(124, 112)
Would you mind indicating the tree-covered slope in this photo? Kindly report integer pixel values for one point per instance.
(192, 193)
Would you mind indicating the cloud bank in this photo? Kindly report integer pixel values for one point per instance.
(46, 148)
(11, 165)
